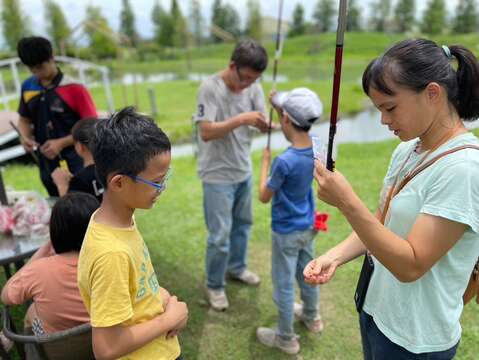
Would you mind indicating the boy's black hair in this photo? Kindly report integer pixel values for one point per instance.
(250, 54)
(125, 142)
(301, 129)
(69, 221)
(296, 127)
(83, 131)
(34, 50)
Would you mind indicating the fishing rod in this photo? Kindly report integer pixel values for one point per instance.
(338, 59)
(22, 138)
(277, 55)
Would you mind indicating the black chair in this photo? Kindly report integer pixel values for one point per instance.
(3, 193)
(71, 344)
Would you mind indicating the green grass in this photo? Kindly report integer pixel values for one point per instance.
(176, 236)
(176, 101)
(306, 61)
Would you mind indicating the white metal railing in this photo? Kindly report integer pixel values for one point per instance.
(79, 65)
(6, 97)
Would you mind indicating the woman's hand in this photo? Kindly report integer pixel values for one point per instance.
(333, 188)
(320, 270)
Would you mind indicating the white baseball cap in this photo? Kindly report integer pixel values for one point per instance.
(301, 104)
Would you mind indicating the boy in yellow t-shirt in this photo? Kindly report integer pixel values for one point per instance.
(131, 315)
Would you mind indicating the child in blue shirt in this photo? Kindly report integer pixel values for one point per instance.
(292, 212)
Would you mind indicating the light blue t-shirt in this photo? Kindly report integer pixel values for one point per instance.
(291, 177)
(423, 316)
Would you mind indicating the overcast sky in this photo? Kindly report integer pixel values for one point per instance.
(75, 10)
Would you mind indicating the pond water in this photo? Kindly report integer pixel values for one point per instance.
(365, 127)
(131, 78)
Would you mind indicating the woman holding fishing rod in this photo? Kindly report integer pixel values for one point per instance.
(423, 240)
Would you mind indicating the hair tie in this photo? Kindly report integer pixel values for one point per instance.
(447, 51)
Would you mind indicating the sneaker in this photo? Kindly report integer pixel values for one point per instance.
(247, 277)
(268, 337)
(315, 326)
(217, 299)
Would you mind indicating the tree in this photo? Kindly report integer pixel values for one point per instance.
(14, 24)
(127, 23)
(324, 14)
(196, 22)
(434, 18)
(180, 30)
(226, 18)
(381, 11)
(297, 27)
(254, 28)
(163, 25)
(354, 14)
(102, 40)
(231, 18)
(404, 15)
(217, 15)
(57, 26)
(465, 20)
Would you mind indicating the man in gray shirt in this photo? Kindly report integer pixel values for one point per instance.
(230, 104)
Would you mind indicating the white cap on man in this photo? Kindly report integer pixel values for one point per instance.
(301, 104)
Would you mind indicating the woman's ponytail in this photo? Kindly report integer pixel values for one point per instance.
(467, 73)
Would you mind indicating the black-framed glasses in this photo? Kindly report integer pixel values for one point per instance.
(242, 78)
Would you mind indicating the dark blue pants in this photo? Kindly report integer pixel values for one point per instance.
(376, 346)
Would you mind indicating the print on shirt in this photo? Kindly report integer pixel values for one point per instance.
(147, 279)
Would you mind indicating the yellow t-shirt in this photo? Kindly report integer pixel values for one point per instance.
(119, 286)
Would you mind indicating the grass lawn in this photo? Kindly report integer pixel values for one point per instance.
(176, 101)
(176, 236)
(306, 61)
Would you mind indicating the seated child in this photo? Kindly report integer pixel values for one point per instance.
(131, 315)
(50, 278)
(292, 212)
(85, 180)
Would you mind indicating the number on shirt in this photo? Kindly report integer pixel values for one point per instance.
(201, 110)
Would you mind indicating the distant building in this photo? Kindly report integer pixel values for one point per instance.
(270, 25)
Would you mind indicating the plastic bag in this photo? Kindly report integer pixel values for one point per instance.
(320, 150)
(31, 215)
(6, 220)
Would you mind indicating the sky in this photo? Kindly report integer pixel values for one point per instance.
(74, 10)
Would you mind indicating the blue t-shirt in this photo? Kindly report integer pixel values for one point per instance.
(293, 202)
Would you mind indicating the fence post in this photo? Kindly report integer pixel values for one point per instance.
(135, 92)
(106, 84)
(3, 93)
(154, 109)
(16, 78)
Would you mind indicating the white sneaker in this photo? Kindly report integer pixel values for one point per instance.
(217, 299)
(248, 277)
(315, 326)
(268, 337)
